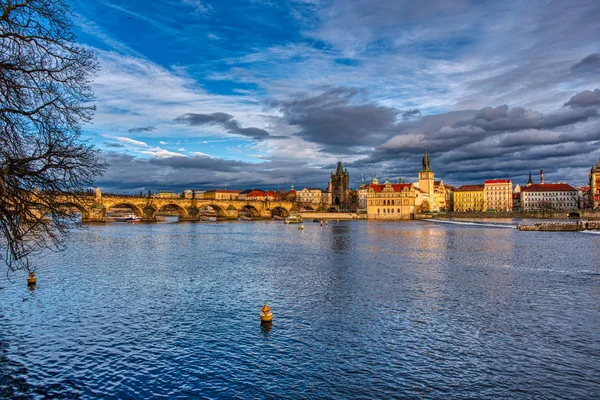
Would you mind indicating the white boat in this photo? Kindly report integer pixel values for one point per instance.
(293, 219)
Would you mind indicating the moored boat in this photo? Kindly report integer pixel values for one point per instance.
(293, 219)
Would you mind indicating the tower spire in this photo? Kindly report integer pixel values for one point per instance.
(425, 162)
(530, 181)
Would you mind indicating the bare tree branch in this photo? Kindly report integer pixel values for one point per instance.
(45, 97)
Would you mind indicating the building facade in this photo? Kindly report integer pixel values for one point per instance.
(498, 195)
(393, 201)
(549, 196)
(338, 185)
(313, 198)
(469, 198)
(594, 183)
(221, 194)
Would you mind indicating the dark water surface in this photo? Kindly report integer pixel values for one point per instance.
(361, 310)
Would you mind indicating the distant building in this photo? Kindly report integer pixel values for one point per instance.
(393, 200)
(313, 198)
(221, 194)
(594, 183)
(166, 194)
(339, 185)
(469, 198)
(498, 194)
(193, 194)
(549, 196)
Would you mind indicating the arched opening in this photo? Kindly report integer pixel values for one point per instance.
(279, 213)
(211, 212)
(171, 212)
(74, 212)
(123, 212)
(248, 212)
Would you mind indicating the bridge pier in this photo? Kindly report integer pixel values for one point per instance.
(95, 213)
(265, 214)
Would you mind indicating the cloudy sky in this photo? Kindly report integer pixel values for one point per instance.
(269, 93)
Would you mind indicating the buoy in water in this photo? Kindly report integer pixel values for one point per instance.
(31, 280)
(326, 222)
(265, 314)
(301, 227)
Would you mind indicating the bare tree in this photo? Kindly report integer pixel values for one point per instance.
(45, 97)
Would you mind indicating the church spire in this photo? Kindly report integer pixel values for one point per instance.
(530, 181)
(426, 162)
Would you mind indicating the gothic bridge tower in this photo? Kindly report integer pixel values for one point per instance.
(339, 185)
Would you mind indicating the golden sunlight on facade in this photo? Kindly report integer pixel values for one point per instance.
(498, 195)
(470, 198)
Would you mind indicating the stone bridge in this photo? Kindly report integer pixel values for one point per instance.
(94, 208)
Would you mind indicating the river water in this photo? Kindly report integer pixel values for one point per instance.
(361, 310)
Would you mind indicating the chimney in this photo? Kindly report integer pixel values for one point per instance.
(542, 176)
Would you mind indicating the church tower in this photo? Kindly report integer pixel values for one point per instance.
(426, 181)
(339, 185)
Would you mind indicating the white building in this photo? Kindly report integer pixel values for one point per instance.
(313, 197)
(549, 196)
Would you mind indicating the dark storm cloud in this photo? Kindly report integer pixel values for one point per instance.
(589, 63)
(587, 98)
(340, 118)
(141, 129)
(127, 173)
(226, 121)
(495, 142)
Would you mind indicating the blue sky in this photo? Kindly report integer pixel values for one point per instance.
(204, 94)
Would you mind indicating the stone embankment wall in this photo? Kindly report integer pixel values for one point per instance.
(317, 215)
(580, 225)
(585, 214)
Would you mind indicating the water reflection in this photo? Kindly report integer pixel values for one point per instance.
(433, 310)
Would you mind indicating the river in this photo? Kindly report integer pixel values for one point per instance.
(361, 310)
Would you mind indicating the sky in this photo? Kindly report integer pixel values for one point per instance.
(199, 94)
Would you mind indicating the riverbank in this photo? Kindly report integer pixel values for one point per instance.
(341, 215)
(580, 225)
(584, 214)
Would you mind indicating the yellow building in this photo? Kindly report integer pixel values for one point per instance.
(393, 200)
(220, 194)
(469, 198)
(498, 194)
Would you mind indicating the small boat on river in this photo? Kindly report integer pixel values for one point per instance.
(293, 219)
(245, 218)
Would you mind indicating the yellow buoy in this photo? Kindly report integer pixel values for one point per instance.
(31, 280)
(301, 227)
(265, 314)
(326, 222)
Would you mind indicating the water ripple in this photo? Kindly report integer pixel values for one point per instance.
(362, 310)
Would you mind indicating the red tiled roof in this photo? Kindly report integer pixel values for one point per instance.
(256, 193)
(469, 188)
(498, 181)
(398, 187)
(549, 187)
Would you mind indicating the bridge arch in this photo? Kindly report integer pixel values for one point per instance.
(136, 210)
(279, 211)
(249, 209)
(180, 210)
(219, 210)
(85, 214)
